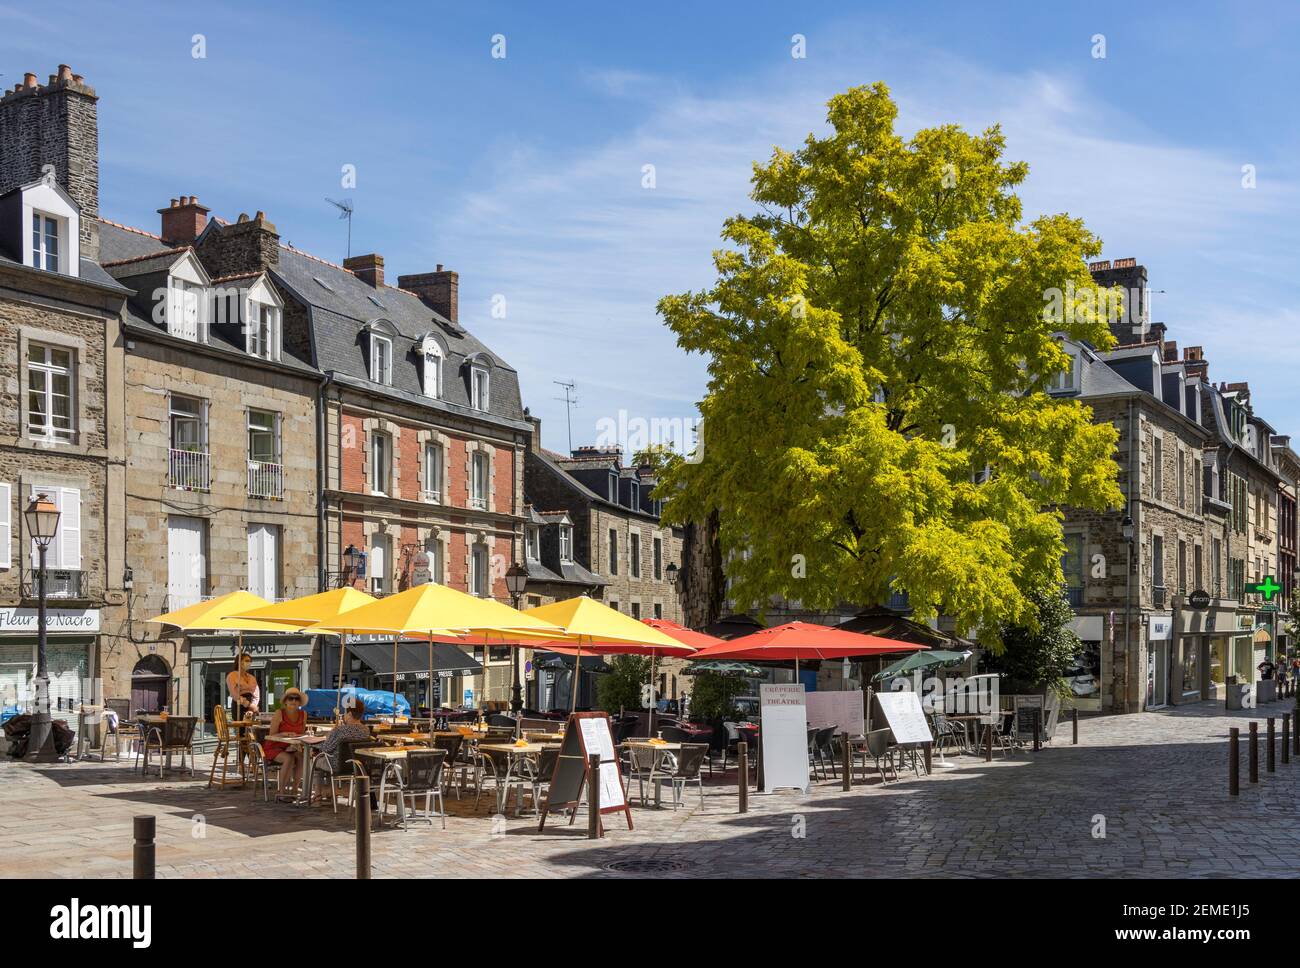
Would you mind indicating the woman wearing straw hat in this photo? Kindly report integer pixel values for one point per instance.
(290, 718)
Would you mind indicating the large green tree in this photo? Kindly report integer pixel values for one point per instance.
(881, 332)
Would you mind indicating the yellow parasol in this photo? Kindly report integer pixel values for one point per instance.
(587, 620)
(309, 610)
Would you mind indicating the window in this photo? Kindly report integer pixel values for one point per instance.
(478, 485)
(1238, 497)
(381, 564)
(1157, 561)
(432, 370)
(1237, 579)
(1066, 380)
(187, 567)
(433, 548)
(187, 310)
(49, 393)
(636, 610)
(1196, 486)
(1182, 567)
(265, 473)
(1158, 467)
(478, 381)
(613, 551)
(532, 542)
(433, 472)
(1216, 566)
(1072, 566)
(613, 488)
(634, 494)
(187, 460)
(45, 242)
(634, 553)
(381, 359)
(1182, 478)
(381, 463)
(264, 560)
(659, 610)
(1198, 570)
(6, 525)
(64, 551)
(566, 542)
(264, 331)
(479, 572)
(613, 603)
(658, 546)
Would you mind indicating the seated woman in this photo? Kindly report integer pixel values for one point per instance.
(291, 718)
(351, 730)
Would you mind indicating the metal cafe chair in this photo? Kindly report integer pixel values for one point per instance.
(878, 748)
(420, 775)
(690, 759)
(174, 736)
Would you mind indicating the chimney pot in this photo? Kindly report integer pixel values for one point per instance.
(65, 72)
(77, 78)
(183, 220)
(368, 268)
(29, 80)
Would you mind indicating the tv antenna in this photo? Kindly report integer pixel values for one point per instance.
(570, 401)
(345, 211)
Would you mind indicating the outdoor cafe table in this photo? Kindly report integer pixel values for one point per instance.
(661, 750)
(515, 753)
(306, 742)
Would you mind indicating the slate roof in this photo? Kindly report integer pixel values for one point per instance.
(558, 463)
(341, 311)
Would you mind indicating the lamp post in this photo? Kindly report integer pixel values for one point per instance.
(351, 561)
(1126, 529)
(42, 519)
(516, 579)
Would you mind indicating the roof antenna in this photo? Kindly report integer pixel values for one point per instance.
(345, 211)
(570, 400)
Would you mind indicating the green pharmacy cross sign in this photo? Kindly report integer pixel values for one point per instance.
(1268, 588)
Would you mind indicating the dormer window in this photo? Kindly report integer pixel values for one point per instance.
(45, 242)
(381, 359)
(187, 310)
(566, 542)
(430, 366)
(636, 496)
(263, 330)
(533, 543)
(478, 382)
(1067, 380)
(613, 488)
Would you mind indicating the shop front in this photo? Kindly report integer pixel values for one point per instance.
(1159, 632)
(1084, 677)
(1203, 658)
(278, 663)
(71, 643)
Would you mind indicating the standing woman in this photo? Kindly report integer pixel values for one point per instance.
(290, 718)
(243, 689)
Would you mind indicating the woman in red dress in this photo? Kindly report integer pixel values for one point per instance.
(290, 718)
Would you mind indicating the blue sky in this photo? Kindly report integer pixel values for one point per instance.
(525, 173)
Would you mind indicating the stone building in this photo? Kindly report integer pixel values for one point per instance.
(61, 423)
(221, 489)
(1288, 468)
(594, 529)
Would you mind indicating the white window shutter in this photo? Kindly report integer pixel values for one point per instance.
(254, 559)
(6, 526)
(70, 528)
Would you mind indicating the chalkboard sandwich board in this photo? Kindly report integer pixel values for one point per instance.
(586, 735)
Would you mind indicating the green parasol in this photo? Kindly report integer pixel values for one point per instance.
(920, 660)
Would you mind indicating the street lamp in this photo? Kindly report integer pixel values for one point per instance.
(671, 573)
(42, 518)
(1126, 529)
(516, 579)
(351, 562)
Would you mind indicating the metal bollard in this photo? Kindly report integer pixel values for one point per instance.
(363, 828)
(988, 743)
(929, 767)
(142, 851)
(1234, 761)
(742, 764)
(593, 796)
(1286, 738)
(846, 754)
(1074, 717)
(1272, 739)
(1038, 730)
(1254, 751)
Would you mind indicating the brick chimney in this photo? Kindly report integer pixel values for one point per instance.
(368, 268)
(248, 245)
(439, 290)
(56, 124)
(1195, 363)
(183, 220)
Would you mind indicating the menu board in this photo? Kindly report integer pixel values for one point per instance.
(1027, 707)
(596, 738)
(841, 708)
(902, 711)
(784, 738)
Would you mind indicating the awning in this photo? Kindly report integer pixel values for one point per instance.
(413, 658)
(557, 660)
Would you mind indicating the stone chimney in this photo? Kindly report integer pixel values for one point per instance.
(368, 268)
(535, 435)
(1171, 351)
(183, 220)
(55, 124)
(1132, 279)
(248, 245)
(1195, 363)
(439, 290)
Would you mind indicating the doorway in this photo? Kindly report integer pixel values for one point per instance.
(151, 681)
(1157, 675)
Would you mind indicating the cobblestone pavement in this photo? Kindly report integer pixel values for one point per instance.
(1158, 780)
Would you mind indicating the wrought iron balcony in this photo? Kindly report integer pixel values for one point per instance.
(60, 583)
(265, 480)
(187, 470)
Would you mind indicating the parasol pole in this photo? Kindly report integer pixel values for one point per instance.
(338, 696)
(428, 689)
(394, 719)
(650, 729)
(577, 668)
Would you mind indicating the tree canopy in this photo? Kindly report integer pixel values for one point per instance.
(879, 346)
